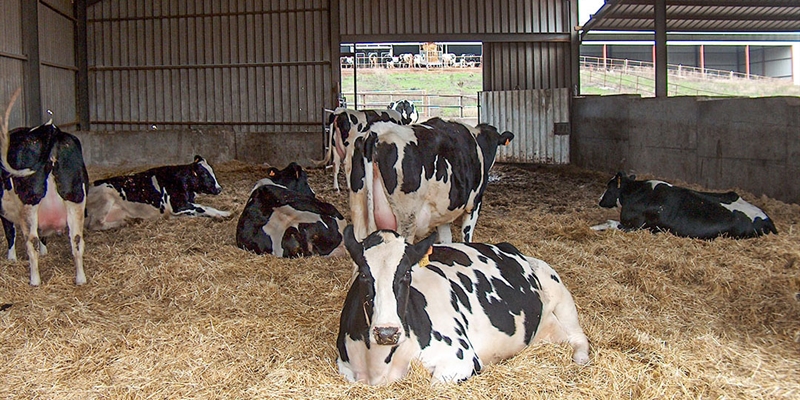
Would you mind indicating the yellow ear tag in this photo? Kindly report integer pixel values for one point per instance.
(425, 260)
(271, 174)
(506, 143)
(619, 182)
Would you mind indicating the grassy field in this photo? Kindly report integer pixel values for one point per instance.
(468, 82)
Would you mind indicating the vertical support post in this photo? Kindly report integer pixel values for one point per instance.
(575, 47)
(661, 47)
(747, 61)
(702, 60)
(335, 51)
(32, 89)
(82, 62)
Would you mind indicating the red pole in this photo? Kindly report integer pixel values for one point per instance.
(747, 61)
(702, 59)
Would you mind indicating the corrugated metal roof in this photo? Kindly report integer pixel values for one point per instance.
(699, 16)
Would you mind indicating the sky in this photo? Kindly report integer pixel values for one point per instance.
(587, 7)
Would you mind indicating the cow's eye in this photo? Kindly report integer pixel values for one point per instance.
(363, 276)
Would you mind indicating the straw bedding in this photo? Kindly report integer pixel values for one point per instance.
(173, 309)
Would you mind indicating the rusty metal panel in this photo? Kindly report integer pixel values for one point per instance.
(416, 17)
(536, 117)
(526, 65)
(253, 65)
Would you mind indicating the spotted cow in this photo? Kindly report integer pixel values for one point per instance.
(417, 178)
(284, 218)
(454, 307)
(408, 113)
(155, 193)
(44, 185)
(660, 206)
(345, 125)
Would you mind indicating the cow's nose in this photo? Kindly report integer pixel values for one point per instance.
(386, 335)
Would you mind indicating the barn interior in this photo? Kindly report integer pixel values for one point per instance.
(174, 309)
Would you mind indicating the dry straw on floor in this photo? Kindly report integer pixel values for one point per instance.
(174, 310)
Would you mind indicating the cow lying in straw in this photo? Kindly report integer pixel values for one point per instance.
(154, 193)
(454, 307)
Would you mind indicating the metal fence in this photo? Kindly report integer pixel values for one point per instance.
(427, 105)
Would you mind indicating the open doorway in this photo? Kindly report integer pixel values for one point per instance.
(440, 79)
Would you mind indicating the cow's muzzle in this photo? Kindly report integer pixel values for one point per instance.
(386, 335)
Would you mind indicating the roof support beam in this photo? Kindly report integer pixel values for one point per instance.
(82, 62)
(661, 47)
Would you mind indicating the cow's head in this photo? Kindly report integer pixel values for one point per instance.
(488, 139)
(205, 180)
(616, 185)
(384, 262)
(293, 177)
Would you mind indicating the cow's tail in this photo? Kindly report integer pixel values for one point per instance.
(369, 177)
(329, 144)
(5, 139)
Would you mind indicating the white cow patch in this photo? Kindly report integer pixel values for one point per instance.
(748, 209)
(282, 218)
(654, 183)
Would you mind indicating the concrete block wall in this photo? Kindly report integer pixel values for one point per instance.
(719, 143)
(217, 145)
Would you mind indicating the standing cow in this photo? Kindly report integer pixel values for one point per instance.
(660, 206)
(345, 125)
(284, 218)
(44, 185)
(455, 308)
(413, 179)
(408, 113)
(154, 193)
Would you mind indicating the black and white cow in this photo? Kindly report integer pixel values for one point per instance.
(417, 178)
(154, 193)
(408, 113)
(44, 185)
(463, 306)
(345, 125)
(660, 206)
(284, 218)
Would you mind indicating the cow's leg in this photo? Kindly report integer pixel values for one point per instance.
(337, 162)
(11, 233)
(456, 368)
(42, 246)
(468, 223)
(29, 224)
(203, 211)
(445, 235)
(75, 216)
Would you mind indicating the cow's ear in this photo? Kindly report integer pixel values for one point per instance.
(198, 159)
(420, 251)
(505, 138)
(352, 245)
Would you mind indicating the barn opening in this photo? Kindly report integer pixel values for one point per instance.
(441, 79)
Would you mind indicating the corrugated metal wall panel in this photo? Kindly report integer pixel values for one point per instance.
(57, 59)
(11, 58)
(531, 115)
(251, 64)
(386, 17)
(526, 65)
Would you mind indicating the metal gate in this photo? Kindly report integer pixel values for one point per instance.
(539, 120)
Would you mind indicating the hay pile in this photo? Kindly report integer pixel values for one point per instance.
(174, 310)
